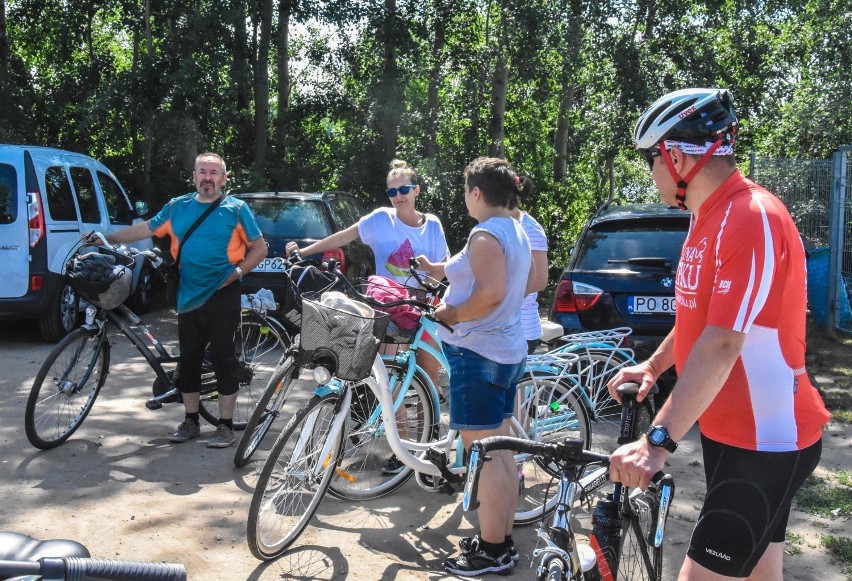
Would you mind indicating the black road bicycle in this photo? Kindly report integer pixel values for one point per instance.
(628, 525)
(71, 377)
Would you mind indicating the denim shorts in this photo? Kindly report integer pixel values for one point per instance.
(482, 391)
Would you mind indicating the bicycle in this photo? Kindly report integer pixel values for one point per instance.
(271, 402)
(628, 527)
(71, 377)
(308, 453)
(23, 557)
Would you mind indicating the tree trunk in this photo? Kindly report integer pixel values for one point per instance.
(430, 146)
(261, 87)
(499, 86)
(4, 50)
(240, 62)
(147, 125)
(572, 45)
(560, 138)
(389, 110)
(283, 69)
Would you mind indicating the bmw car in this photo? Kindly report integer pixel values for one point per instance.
(621, 273)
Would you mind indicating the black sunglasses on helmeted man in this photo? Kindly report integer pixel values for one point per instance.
(392, 192)
(650, 154)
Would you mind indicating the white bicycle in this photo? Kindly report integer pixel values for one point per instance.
(310, 452)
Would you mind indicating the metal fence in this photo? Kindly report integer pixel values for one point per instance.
(818, 194)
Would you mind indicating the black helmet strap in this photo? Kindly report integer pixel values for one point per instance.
(682, 182)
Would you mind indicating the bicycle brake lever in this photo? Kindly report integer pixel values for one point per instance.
(664, 485)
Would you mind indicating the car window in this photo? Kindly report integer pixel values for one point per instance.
(60, 200)
(291, 219)
(8, 194)
(117, 208)
(346, 209)
(87, 199)
(608, 246)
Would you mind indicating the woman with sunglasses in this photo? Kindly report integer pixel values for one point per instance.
(395, 235)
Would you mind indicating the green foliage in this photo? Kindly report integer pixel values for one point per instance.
(146, 93)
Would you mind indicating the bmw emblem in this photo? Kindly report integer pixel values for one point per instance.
(667, 282)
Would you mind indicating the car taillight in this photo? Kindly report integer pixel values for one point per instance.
(572, 297)
(36, 282)
(35, 217)
(336, 254)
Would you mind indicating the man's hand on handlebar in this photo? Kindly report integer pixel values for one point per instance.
(643, 374)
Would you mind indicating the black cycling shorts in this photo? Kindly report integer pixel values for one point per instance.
(747, 504)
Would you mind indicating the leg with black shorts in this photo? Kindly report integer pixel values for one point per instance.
(740, 531)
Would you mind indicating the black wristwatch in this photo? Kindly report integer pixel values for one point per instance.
(659, 436)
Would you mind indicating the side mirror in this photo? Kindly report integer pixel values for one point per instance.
(141, 208)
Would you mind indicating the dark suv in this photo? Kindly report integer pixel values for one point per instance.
(622, 273)
(305, 218)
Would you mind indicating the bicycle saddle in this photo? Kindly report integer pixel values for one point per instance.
(18, 547)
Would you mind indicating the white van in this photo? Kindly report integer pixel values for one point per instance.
(48, 199)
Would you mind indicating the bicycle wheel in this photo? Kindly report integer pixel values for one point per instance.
(363, 470)
(65, 388)
(261, 343)
(267, 410)
(638, 558)
(551, 411)
(595, 367)
(555, 568)
(294, 478)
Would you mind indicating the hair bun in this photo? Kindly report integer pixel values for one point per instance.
(398, 164)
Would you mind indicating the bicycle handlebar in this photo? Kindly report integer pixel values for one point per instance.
(428, 309)
(84, 569)
(569, 452)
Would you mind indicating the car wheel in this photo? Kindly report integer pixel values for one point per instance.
(62, 314)
(140, 301)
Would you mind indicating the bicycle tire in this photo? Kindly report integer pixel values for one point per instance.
(66, 387)
(261, 343)
(268, 408)
(367, 450)
(638, 558)
(536, 479)
(595, 368)
(292, 484)
(555, 569)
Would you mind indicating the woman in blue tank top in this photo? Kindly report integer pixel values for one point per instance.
(487, 350)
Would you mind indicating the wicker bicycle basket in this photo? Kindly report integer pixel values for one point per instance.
(347, 339)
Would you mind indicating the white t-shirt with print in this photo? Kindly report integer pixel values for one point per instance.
(394, 242)
(530, 321)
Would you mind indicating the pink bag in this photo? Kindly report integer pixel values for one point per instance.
(386, 290)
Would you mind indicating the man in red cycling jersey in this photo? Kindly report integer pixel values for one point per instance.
(738, 344)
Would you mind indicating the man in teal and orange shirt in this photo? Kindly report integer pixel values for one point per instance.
(226, 244)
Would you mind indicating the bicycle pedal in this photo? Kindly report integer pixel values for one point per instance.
(153, 404)
(431, 483)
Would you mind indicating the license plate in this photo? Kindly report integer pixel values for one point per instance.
(649, 305)
(270, 265)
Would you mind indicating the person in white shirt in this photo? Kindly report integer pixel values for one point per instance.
(530, 320)
(395, 235)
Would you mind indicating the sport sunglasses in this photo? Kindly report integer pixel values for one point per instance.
(392, 192)
(650, 154)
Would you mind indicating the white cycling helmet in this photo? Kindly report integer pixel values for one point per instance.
(689, 115)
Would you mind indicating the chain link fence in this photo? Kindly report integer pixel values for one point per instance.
(818, 193)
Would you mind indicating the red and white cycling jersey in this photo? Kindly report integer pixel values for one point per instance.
(742, 268)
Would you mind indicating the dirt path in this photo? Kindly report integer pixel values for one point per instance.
(119, 487)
